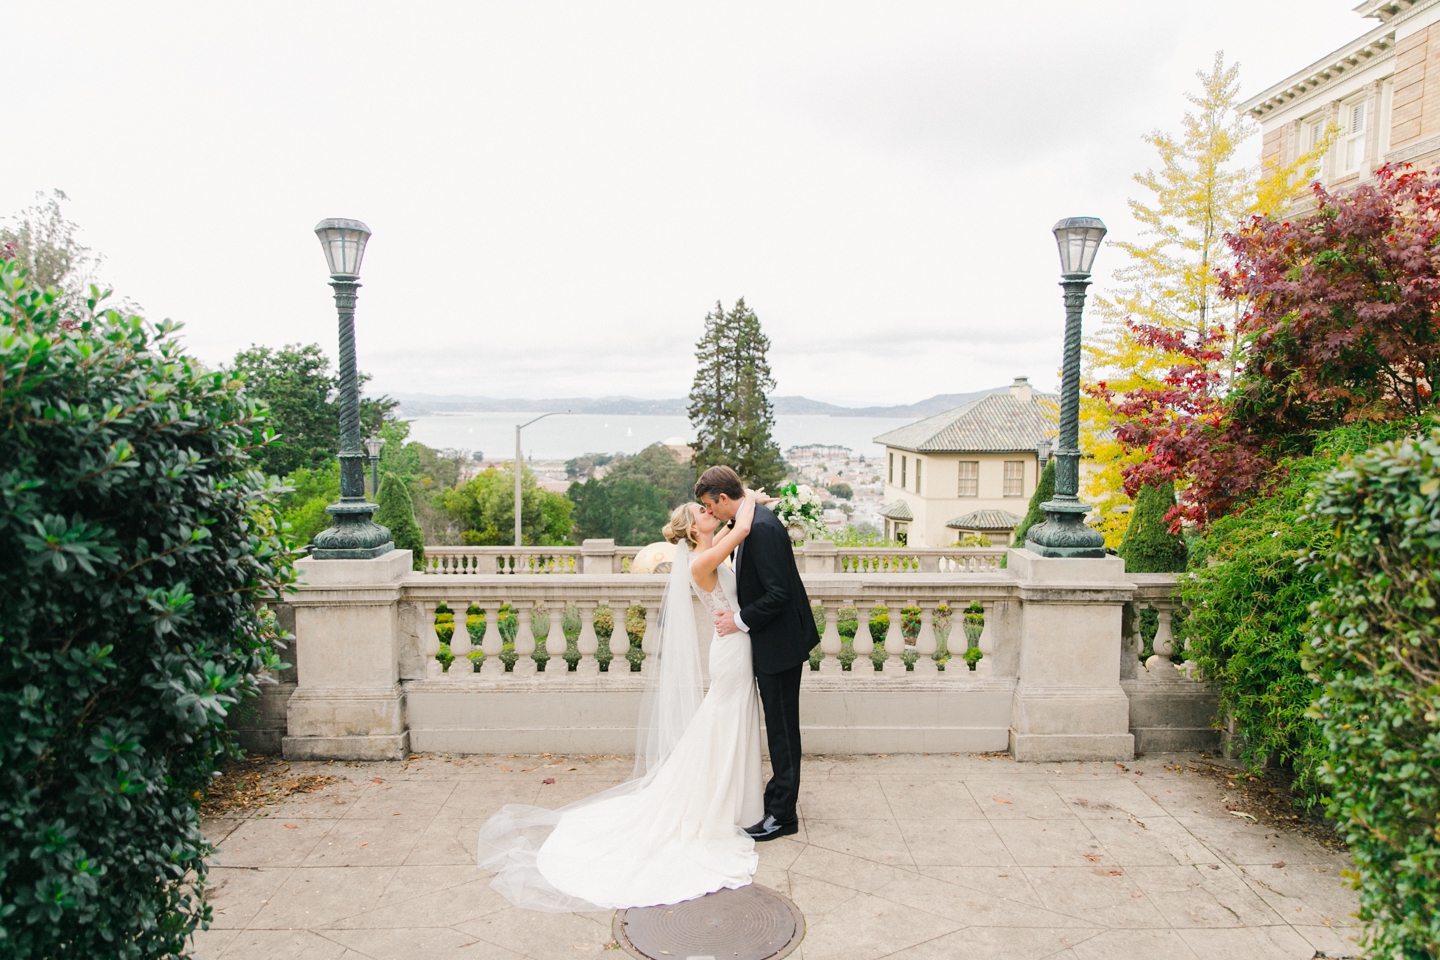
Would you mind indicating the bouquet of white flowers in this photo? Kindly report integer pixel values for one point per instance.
(800, 510)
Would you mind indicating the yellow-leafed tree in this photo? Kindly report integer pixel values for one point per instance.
(1197, 193)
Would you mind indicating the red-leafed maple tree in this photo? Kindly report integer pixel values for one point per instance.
(1341, 324)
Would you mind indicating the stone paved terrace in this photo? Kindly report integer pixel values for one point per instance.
(914, 857)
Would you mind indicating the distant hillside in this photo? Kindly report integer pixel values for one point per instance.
(423, 404)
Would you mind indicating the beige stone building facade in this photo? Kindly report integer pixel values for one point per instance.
(969, 469)
(1382, 90)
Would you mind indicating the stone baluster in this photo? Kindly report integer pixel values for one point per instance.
(862, 644)
(895, 642)
(620, 646)
(461, 668)
(556, 668)
(1159, 666)
(492, 667)
(588, 643)
(986, 643)
(648, 641)
(830, 640)
(433, 670)
(925, 642)
(524, 642)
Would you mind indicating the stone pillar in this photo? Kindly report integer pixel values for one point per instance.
(492, 667)
(556, 668)
(925, 643)
(597, 556)
(862, 643)
(830, 641)
(620, 646)
(1068, 703)
(1159, 666)
(524, 642)
(820, 556)
(348, 703)
(460, 647)
(895, 642)
(985, 643)
(588, 643)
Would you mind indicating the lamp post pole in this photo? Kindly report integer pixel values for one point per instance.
(518, 428)
(1064, 532)
(354, 536)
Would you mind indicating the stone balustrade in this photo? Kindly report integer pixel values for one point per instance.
(1057, 679)
(603, 556)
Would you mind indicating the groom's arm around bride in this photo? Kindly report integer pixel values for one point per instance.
(775, 612)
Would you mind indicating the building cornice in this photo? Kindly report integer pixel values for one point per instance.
(1378, 44)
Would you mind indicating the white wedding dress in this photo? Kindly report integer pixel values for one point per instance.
(675, 831)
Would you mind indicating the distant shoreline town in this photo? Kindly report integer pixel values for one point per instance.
(421, 404)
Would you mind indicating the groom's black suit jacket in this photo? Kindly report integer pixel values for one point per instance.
(773, 602)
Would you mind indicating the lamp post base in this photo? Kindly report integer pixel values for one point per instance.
(1064, 532)
(354, 536)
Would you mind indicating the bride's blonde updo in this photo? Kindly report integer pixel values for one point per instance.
(682, 526)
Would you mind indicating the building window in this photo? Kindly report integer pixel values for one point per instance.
(969, 478)
(917, 474)
(1014, 478)
(1354, 118)
(904, 463)
(902, 532)
(892, 468)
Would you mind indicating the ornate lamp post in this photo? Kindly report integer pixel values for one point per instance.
(373, 446)
(1064, 533)
(354, 535)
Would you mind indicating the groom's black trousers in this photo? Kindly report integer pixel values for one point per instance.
(780, 696)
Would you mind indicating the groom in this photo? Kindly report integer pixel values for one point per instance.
(775, 612)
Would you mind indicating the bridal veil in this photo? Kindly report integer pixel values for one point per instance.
(510, 841)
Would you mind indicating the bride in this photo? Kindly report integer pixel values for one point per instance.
(675, 830)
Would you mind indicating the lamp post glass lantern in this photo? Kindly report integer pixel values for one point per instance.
(373, 446)
(353, 536)
(1064, 532)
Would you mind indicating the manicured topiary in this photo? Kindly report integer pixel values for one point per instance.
(397, 512)
(1044, 490)
(137, 542)
(1148, 546)
(1376, 639)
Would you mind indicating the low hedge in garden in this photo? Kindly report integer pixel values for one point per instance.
(135, 543)
(1376, 641)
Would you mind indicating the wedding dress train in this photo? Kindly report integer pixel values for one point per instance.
(676, 830)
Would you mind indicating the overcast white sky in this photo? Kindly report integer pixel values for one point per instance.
(560, 191)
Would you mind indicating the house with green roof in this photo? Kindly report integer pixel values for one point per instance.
(971, 469)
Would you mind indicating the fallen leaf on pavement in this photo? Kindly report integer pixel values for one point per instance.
(998, 800)
(548, 780)
(292, 826)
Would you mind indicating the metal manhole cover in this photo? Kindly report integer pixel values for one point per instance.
(752, 923)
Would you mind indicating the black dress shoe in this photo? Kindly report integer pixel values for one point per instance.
(770, 828)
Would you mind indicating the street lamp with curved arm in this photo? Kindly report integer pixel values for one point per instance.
(518, 428)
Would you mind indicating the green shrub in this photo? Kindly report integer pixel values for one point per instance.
(397, 512)
(1376, 636)
(1148, 546)
(136, 541)
(1249, 605)
(1044, 490)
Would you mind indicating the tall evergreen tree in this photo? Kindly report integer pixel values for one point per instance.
(1149, 546)
(397, 512)
(729, 400)
(1044, 490)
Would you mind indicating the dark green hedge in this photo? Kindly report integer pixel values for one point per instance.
(1376, 636)
(1249, 609)
(135, 543)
